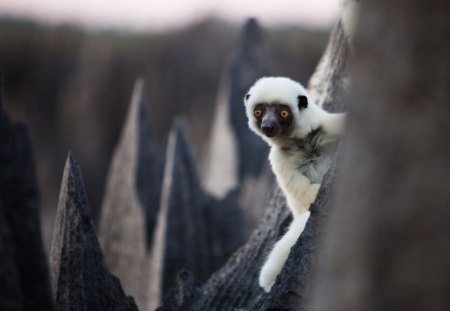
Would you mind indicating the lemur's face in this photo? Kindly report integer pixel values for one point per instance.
(273, 119)
(275, 107)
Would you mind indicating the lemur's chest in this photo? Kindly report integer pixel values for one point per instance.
(311, 157)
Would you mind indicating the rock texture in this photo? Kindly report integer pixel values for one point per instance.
(25, 281)
(145, 244)
(388, 243)
(81, 280)
(329, 85)
(249, 62)
(194, 231)
(237, 159)
(11, 297)
(131, 201)
(235, 286)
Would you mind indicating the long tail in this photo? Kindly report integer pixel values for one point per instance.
(279, 254)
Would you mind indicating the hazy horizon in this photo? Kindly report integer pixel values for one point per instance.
(156, 16)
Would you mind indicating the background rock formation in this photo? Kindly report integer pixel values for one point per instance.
(25, 283)
(236, 158)
(131, 201)
(194, 230)
(81, 81)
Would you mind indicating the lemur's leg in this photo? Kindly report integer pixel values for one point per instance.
(279, 254)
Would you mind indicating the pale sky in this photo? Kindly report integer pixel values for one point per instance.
(161, 14)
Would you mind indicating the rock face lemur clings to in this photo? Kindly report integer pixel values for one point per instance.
(303, 138)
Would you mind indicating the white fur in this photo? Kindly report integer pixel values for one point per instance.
(298, 179)
(280, 252)
(283, 90)
(297, 188)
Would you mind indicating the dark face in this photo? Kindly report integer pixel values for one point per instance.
(273, 119)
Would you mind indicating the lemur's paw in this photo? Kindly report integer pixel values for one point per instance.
(267, 276)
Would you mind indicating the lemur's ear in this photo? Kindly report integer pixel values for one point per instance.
(302, 101)
(247, 96)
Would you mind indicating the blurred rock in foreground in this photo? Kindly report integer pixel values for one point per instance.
(388, 245)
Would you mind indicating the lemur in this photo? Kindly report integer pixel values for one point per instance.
(303, 138)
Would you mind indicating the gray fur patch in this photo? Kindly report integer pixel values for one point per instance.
(312, 155)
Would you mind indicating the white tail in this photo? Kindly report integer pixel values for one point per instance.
(279, 254)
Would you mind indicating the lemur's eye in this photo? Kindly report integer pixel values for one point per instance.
(284, 114)
(257, 113)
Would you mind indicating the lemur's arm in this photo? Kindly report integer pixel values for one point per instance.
(334, 125)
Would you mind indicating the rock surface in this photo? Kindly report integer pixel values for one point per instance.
(235, 286)
(194, 231)
(249, 62)
(11, 297)
(26, 284)
(81, 280)
(237, 159)
(234, 151)
(131, 202)
(329, 85)
(389, 235)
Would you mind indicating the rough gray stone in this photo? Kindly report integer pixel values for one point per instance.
(329, 85)
(249, 63)
(186, 232)
(11, 297)
(131, 200)
(28, 281)
(236, 158)
(235, 286)
(388, 246)
(10, 292)
(194, 231)
(81, 280)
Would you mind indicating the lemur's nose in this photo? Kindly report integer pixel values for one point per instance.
(269, 130)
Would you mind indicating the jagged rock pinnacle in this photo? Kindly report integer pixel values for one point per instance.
(131, 200)
(27, 282)
(81, 280)
(180, 237)
(194, 231)
(250, 62)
